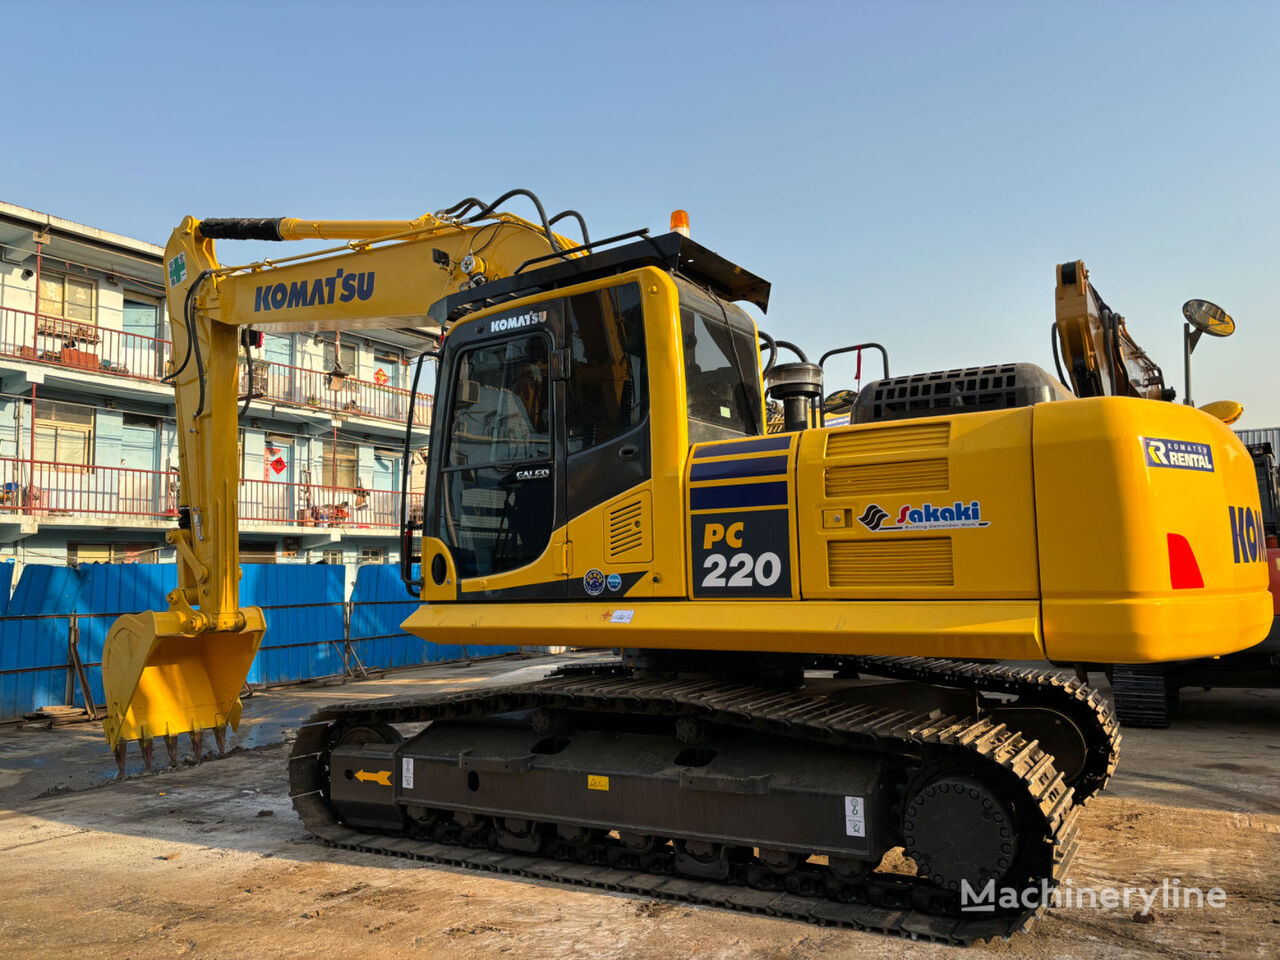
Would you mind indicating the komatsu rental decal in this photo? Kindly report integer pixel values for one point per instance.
(924, 517)
(342, 287)
(1178, 454)
(1248, 538)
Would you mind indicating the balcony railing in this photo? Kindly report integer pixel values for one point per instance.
(71, 343)
(84, 346)
(43, 489)
(283, 383)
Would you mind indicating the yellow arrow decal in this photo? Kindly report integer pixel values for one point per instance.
(379, 776)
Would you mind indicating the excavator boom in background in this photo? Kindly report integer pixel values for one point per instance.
(1100, 357)
(791, 608)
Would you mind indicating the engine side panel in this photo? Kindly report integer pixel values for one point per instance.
(935, 508)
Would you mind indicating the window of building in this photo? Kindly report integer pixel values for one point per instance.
(73, 298)
(346, 351)
(256, 551)
(331, 556)
(112, 552)
(64, 433)
(372, 554)
(386, 368)
(141, 315)
(338, 463)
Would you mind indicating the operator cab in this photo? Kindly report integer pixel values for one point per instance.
(552, 406)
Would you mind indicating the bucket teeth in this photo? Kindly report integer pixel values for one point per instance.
(197, 743)
(171, 745)
(147, 746)
(220, 737)
(122, 752)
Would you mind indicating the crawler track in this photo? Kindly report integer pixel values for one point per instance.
(887, 903)
(1081, 703)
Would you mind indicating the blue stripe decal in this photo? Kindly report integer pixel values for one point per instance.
(739, 495)
(733, 448)
(726, 469)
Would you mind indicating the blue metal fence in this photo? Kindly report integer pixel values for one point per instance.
(379, 604)
(303, 640)
(53, 607)
(34, 640)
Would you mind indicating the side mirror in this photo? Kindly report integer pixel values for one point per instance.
(1208, 318)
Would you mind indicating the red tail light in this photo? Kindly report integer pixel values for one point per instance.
(1184, 572)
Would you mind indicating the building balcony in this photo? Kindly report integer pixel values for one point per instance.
(347, 396)
(86, 347)
(36, 492)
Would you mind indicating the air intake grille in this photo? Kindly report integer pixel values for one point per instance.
(904, 563)
(957, 391)
(925, 436)
(627, 530)
(870, 478)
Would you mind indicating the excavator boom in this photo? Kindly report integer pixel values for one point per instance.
(181, 670)
(1100, 358)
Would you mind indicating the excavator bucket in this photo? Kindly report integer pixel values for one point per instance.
(160, 681)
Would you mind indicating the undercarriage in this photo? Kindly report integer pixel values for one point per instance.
(766, 798)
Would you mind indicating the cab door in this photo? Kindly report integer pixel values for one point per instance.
(608, 448)
(499, 501)
(548, 423)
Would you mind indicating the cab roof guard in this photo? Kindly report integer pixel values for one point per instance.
(670, 251)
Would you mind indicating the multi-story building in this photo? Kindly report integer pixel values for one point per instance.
(88, 460)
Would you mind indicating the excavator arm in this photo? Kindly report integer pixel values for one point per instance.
(181, 670)
(1099, 356)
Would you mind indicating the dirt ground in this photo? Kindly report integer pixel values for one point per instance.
(209, 861)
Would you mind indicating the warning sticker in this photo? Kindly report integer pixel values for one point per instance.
(855, 820)
(177, 269)
(596, 782)
(406, 773)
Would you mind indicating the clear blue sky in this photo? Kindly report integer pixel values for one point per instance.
(904, 172)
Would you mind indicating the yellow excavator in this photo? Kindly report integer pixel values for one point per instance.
(794, 615)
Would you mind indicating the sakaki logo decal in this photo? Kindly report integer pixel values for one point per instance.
(926, 516)
(873, 516)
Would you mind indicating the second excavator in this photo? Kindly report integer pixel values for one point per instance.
(788, 706)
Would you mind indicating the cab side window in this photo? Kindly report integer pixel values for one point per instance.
(608, 389)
